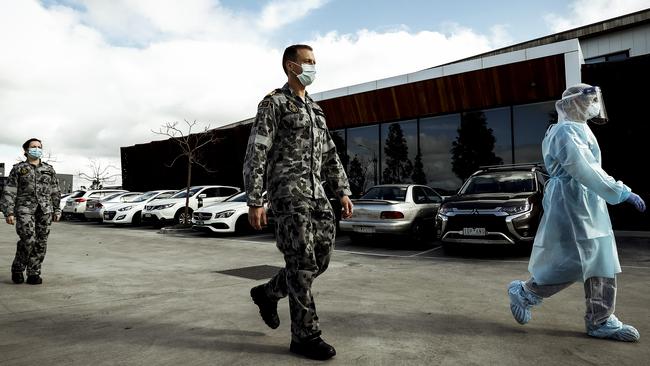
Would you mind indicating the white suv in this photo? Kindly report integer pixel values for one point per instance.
(173, 209)
(75, 205)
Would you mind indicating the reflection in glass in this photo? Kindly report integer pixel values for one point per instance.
(363, 152)
(474, 146)
(530, 124)
(399, 147)
(338, 137)
(436, 137)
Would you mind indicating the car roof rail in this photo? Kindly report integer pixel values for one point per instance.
(520, 165)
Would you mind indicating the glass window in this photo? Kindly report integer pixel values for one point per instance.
(489, 134)
(182, 194)
(338, 137)
(530, 124)
(394, 193)
(398, 149)
(363, 150)
(436, 137)
(432, 196)
(239, 197)
(506, 182)
(419, 196)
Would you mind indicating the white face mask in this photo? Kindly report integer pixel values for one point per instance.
(593, 110)
(307, 75)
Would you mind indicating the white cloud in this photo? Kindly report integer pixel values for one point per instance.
(584, 12)
(69, 79)
(280, 12)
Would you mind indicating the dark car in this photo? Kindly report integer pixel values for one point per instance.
(496, 205)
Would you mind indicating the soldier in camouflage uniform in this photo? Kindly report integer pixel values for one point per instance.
(290, 144)
(31, 202)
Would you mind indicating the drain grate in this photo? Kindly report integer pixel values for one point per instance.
(253, 273)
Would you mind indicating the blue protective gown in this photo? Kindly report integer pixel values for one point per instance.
(575, 240)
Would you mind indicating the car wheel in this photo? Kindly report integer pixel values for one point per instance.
(180, 217)
(242, 225)
(137, 218)
(418, 231)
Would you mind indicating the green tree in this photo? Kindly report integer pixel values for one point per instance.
(398, 166)
(474, 146)
(418, 176)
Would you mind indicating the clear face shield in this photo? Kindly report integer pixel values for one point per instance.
(586, 105)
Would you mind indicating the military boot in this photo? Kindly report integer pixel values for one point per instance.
(268, 307)
(34, 280)
(316, 349)
(17, 277)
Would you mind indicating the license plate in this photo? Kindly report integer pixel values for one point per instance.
(107, 216)
(147, 215)
(474, 231)
(364, 229)
(199, 222)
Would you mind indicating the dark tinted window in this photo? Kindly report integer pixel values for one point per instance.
(419, 196)
(241, 197)
(226, 192)
(386, 193)
(432, 196)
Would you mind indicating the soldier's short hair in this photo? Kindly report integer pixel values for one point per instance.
(291, 54)
(26, 144)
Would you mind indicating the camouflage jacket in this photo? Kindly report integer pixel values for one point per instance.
(29, 186)
(290, 143)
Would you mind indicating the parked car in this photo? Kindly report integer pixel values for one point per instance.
(173, 209)
(131, 212)
(496, 205)
(229, 216)
(403, 209)
(75, 205)
(95, 207)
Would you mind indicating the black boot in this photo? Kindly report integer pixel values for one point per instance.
(316, 349)
(17, 277)
(34, 280)
(268, 307)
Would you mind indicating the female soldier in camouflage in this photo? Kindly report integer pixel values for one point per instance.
(31, 202)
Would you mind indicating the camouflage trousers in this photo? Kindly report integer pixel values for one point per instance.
(305, 234)
(33, 230)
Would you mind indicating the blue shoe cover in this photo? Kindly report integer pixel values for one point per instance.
(616, 330)
(521, 301)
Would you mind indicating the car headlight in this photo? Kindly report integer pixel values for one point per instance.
(126, 208)
(224, 214)
(511, 210)
(162, 207)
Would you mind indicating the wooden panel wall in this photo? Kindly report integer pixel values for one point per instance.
(518, 83)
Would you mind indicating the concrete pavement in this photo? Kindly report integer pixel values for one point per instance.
(125, 296)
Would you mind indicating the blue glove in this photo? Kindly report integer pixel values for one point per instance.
(636, 201)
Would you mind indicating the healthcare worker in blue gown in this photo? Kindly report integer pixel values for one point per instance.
(575, 241)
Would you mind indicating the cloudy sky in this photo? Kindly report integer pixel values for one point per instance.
(90, 76)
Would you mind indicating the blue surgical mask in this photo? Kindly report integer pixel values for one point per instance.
(307, 75)
(35, 152)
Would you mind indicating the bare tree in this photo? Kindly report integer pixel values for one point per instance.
(99, 174)
(190, 145)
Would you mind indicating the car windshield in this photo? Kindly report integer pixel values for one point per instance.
(182, 194)
(77, 194)
(239, 197)
(386, 193)
(144, 197)
(114, 195)
(501, 182)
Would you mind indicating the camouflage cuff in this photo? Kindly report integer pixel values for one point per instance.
(255, 203)
(344, 192)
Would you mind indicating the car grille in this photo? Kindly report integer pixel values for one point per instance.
(202, 216)
(489, 222)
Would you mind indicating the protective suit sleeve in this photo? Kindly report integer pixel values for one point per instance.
(575, 156)
(260, 142)
(8, 199)
(332, 169)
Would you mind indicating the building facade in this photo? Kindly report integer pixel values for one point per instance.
(418, 127)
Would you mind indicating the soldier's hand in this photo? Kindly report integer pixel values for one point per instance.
(346, 206)
(11, 219)
(257, 217)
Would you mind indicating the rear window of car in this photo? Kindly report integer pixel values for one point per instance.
(386, 193)
(501, 182)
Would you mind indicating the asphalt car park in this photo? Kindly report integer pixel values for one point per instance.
(132, 295)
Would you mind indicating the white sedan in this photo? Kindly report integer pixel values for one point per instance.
(229, 216)
(131, 212)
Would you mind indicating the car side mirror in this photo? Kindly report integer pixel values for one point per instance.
(203, 195)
